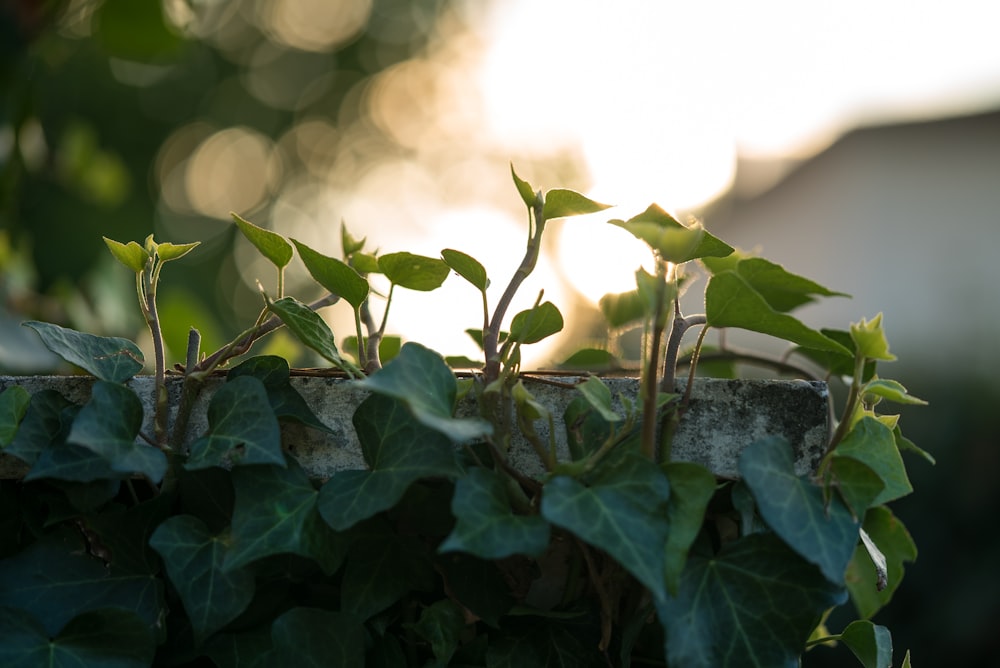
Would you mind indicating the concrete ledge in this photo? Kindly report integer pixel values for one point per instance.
(724, 417)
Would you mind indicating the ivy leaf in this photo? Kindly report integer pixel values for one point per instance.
(132, 255)
(420, 378)
(623, 511)
(869, 337)
(286, 402)
(167, 251)
(486, 527)
(541, 643)
(598, 396)
(753, 604)
(560, 203)
(823, 533)
(536, 323)
(271, 245)
(478, 585)
(275, 513)
(309, 328)
(336, 276)
(872, 644)
(891, 390)
(316, 638)
(14, 403)
(857, 483)
(55, 579)
(441, 624)
(524, 189)
(780, 288)
(896, 545)
(416, 272)
(348, 242)
(467, 267)
(731, 302)
(591, 359)
(194, 559)
(400, 450)
(873, 444)
(691, 488)
(109, 358)
(109, 637)
(671, 238)
(242, 428)
(624, 308)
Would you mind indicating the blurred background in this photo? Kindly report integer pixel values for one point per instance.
(856, 143)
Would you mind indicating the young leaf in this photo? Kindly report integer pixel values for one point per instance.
(625, 308)
(348, 243)
(524, 189)
(823, 533)
(309, 328)
(271, 245)
(13, 405)
(132, 255)
(869, 337)
(537, 323)
(109, 358)
(167, 251)
(651, 224)
(560, 203)
(891, 390)
(415, 272)
(872, 443)
(872, 644)
(598, 396)
(898, 548)
(467, 267)
(337, 277)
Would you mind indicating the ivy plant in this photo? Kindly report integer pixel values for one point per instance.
(172, 548)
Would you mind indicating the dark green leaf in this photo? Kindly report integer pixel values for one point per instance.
(837, 363)
(486, 525)
(315, 638)
(108, 425)
(46, 420)
(873, 444)
(691, 488)
(536, 323)
(658, 228)
(132, 255)
(271, 245)
(623, 512)
(560, 203)
(112, 638)
(754, 604)
(13, 405)
(194, 559)
(441, 624)
(823, 533)
(249, 649)
(416, 272)
(540, 643)
(382, 567)
(478, 584)
(286, 402)
(110, 358)
(524, 189)
(467, 267)
(275, 513)
(399, 449)
(895, 543)
(242, 428)
(872, 644)
(309, 328)
(731, 302)
(334, 275)
(420, 378)
(857, 483)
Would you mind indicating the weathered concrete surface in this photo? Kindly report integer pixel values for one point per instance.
(724, 416)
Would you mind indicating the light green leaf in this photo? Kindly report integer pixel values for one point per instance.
(13, 405)
(167, 251)
(310, 328)
(598, 396)
(691, 488)
(486, 526)
(673, 240)
(731, 302)
(898, 548)
(891, 390)
(194, 558)
(560, 203)
(872, 644)
(624, 308)
(467, 267)
(416, 272)
(109, 358)
(336, 276)
(524, 189)
(537, 323)
(873, 444)
(132, 255)
(349, 244)
(271, 245)
(317, 638)
(594, 360)
(857, 483)
(869, 337)
(823, 533)
(782, 289)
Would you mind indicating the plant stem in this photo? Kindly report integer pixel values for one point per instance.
(650, 386)
(160, 402)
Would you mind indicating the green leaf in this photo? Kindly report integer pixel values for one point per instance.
(873, 444)
(691, 488)
(13, 405)
(824, 534)
(194, 558)
(337, 277)
(111, 637)
(271, 245)
(167, 251)
(400, 450)
(624, 308)
(109, 358)
(781, 289)
(869, 337)
(537, 323)
(524, 189)
(441, 624)
(108, 425)
(316, 638)
(309, 328)
(477, 584)
(349, 244)
(285, 400)
(416, 272)
(560, 203)
(132, 255)
(898, 548)
(731, 302)
(420, 378)
(891, 390)
(837, 363)
(541, 643)
(857, 483)
(872, 644)
(591, 359)
(242, 428)
(905, 444)
(674, 241)
(753, 604)
(486, 527)
(55, 579)
(275, 513)
(598, 396)
(623, 512)
(43, 423)
(467, 267)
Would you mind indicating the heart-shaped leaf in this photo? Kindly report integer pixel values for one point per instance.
(286, 402)
(874, 445)
(537, 323)
(13, 405)
(109, 358)
(242, 428)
